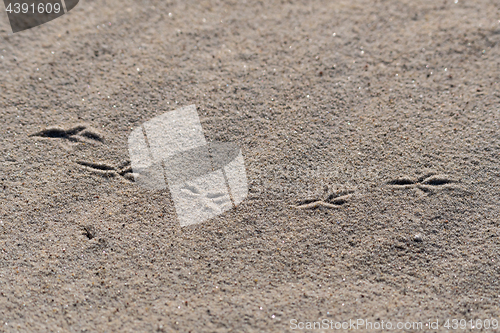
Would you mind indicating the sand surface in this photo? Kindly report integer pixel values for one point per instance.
(370, 132)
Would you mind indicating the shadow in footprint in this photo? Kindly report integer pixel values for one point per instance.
(402, 182)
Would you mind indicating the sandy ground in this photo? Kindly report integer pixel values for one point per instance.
(387, 111)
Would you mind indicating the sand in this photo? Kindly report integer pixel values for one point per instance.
(370, 134)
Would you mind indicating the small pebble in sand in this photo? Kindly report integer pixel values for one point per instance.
(418, 238)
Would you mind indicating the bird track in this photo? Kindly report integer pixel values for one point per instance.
(78, 133)
(82, 133)
(428, 183)
(124, 170)
(330, 201)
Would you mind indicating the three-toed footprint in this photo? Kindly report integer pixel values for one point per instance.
(429, 183)
(329, 200)
(76, 133)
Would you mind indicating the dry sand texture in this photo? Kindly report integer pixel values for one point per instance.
(378, 119)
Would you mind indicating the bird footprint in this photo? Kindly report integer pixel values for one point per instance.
(124, 170)
(74, 134)
(427, 183)
(330, 201)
